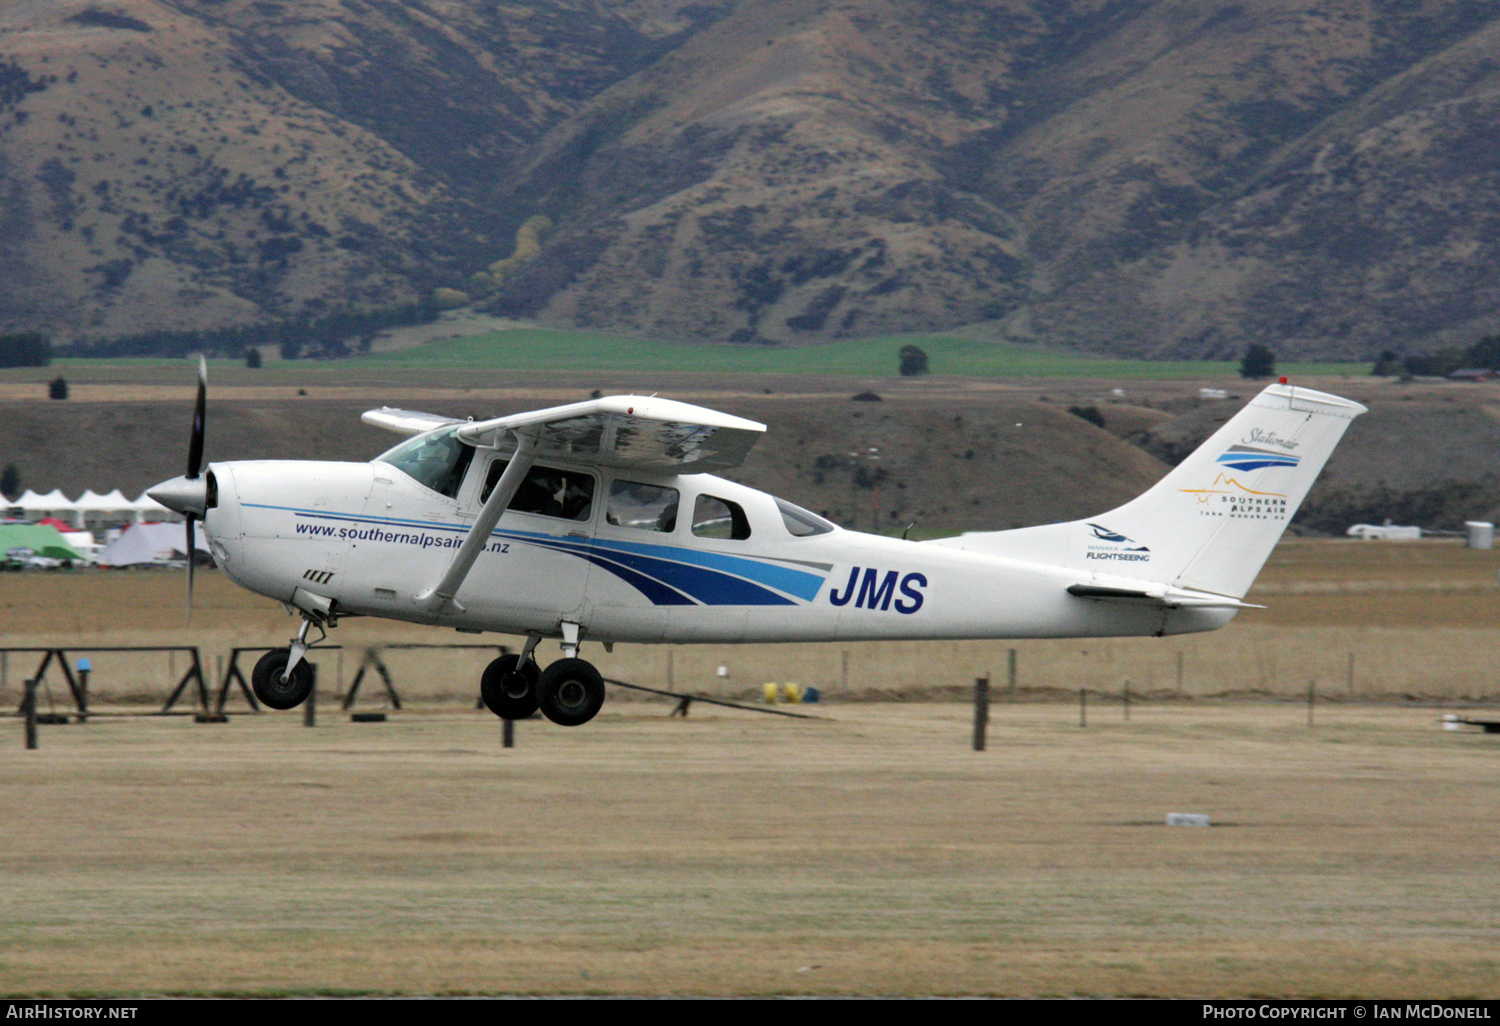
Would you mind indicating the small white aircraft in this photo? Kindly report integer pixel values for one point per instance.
(597, 522)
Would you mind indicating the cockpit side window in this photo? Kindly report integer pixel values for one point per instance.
(719, 518)
(799, 522)
(645, 507)
(438, 460)
(547, 491)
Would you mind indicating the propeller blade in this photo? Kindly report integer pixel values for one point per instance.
(192, 552)
(195, 445)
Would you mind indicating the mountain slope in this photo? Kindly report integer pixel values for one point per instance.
(1146, 177)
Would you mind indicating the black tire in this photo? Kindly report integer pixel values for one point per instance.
(266, 680)
(571, 692)
(508, 689)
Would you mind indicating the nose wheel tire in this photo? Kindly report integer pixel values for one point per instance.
(509, 689)
(269, 687)
(570, 691)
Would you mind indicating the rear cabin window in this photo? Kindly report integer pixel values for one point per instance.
(645, 507)
(438, 460)
(799, 522)
(719, 518)
(546, 492)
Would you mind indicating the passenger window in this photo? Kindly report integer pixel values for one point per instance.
(644, 507)
(547, 492)
(719, 518)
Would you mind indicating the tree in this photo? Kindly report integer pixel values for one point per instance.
(10, 481)
(1259, 362)
(57, 388)
(252, 359)
(913, 361)
(1484, 353)
(1387, 365)
(27, 349)
(1438, 364)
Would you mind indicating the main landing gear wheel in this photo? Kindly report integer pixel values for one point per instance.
(508, 687)
(571, 692)
(269, 687)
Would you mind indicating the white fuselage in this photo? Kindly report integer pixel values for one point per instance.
(370, 538)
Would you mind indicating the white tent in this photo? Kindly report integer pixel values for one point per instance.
(36, 506)
(92, 502)
(151, 543)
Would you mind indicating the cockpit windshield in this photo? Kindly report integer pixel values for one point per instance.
(438, 460)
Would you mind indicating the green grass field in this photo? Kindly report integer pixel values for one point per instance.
(545, 349)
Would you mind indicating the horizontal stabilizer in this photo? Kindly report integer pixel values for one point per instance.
(1168, 598)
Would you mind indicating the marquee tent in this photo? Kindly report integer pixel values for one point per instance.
(151, 543)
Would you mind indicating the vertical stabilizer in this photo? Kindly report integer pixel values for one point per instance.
(1210, 524)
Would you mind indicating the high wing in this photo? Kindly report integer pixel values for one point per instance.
(624, 431)
(405, 422)
(646, 433)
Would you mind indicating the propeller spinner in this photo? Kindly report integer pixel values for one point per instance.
(189, 494)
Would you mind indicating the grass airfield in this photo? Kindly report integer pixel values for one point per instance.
(868, 851)
(732, 854)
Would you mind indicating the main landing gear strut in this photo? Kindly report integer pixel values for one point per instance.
(569, 691)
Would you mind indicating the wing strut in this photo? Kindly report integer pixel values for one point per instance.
(440, 595)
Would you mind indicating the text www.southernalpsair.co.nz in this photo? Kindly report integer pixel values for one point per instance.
(420, 540)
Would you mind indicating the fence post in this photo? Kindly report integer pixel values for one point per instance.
(981, 710)
(310, 707)
(507, 733)
(1083, 708)
(1010, 682)
(28, 704)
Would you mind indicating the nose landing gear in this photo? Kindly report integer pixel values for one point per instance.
(277, 685)
(281, 678)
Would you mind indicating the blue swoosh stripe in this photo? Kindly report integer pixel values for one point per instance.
(657, 592)
(794, 582)
(709, 587)
(718, 582)
(1255, 462)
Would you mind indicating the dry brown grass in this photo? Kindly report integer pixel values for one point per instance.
(871, 852)
(868, 851)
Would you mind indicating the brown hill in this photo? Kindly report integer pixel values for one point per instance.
(951, 457)
(1145, 176)
(970, 465)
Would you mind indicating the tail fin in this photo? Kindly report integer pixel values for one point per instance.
(1210, 524)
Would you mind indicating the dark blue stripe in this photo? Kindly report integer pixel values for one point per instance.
(658, 593)
(707, 586)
